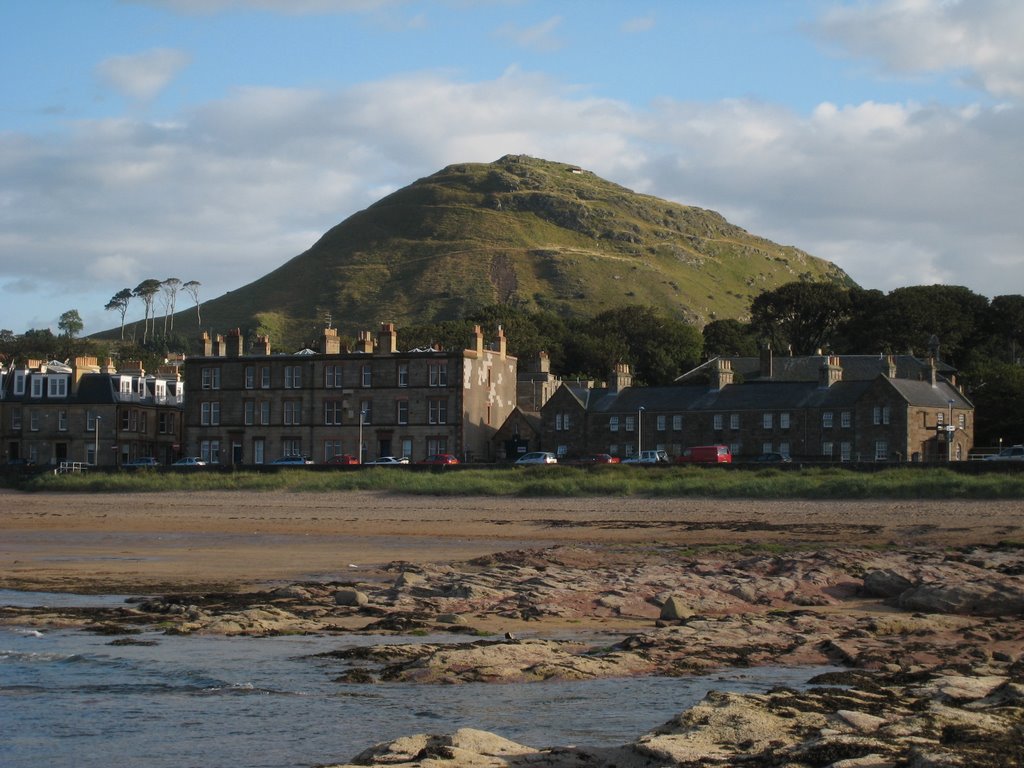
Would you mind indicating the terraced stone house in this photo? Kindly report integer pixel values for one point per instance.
(252, 406)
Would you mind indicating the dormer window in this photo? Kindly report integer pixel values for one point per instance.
(126, 386)
(19, 382)
(57, 386)
(37, 386)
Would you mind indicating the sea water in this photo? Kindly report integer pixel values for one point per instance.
(69, 698)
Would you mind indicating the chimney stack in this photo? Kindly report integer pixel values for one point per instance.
(830, 372)
(721, 374)
(330, 344)
(261, 346)
(387, 339)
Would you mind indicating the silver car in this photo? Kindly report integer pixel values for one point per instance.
(537, 457)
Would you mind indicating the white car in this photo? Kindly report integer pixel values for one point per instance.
(389, 461)
(648, 457)
(1013, 453)
(537, 457)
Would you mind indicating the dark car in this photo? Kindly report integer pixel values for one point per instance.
(598, 458)
(440, 459)
(772, 458)
(292, 461)
(342, 459)
(145, 462)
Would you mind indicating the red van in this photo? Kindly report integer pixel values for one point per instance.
(705, 454)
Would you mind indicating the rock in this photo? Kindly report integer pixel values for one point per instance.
(466, 747)
(451, 618)
(886, 583)
(861, 721)
(868, 761)
(974, 599)
(409, 579)
(674, 609)
(350, 597)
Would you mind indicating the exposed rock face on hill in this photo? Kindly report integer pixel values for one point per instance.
(520, 230)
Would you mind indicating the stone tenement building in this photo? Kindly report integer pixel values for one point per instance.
(52, 412)
(821, 408)
(252, 408)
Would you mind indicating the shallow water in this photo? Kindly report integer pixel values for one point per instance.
(72, 699)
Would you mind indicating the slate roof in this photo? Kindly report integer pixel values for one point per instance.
(807, 368)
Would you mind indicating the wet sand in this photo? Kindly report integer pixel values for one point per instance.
(148, 542)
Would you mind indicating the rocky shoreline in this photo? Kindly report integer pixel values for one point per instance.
(932, 641)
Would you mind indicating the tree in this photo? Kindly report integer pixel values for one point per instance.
(70, 323)
(192, 289)
(169, 292)
(729, 337)
(147, 290)
(800, 316)
(120, 302)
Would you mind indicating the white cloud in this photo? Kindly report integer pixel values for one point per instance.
(638, 24)
(274, 6)
(981, 37)
(142, 76)
(897, 194)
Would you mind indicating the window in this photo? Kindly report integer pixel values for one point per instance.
(125, 421)
(735, 448)
(403, 374)
(630, 424)
(58, 386)
(563, 421)
(677, 422)
(332, 448)
(15, 418)
(885, 414)
(90, 421)
(613, 423)
(332, 412)
(407, 447)
(784, 448)
(126, 386)
(291, 446)
(144, 419)
(249, 409)
(264, 412)
(250, 377)
(561, 451)
(292, 412)
(133, 420)
(19, 383)
(613, 449)
(880, 414)
(716, 422)
(845, 419)
(366, 409)
(211, 378)
(62, 421)
(33, 420)
(881, 450)
(766, 422)
(961, 420)
(628, 449)
(437, 411)
(826, 449)
(367, 375)
(437, 445)
(265, 377)
(784, 420)
(826, 419)
(659, 423)
(438, 375)
(332, 377)
(164, 424)
(210, 414)
(734, 421)
(402, 411)
(766, 447)
(209, 450)
(940, 418)
(292, 377)
(845, 449)
(37, 386)
(258, 450)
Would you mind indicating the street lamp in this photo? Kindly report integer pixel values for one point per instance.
(96, 445)
(362, 416)
(949, 433)
(639, 431)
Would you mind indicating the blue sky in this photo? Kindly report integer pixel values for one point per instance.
(213, 140)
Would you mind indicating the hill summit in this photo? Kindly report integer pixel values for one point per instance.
(521, 230)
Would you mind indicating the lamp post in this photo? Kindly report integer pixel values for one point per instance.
(96, 445)
(639, 431)
(949, 434)
(362, 416)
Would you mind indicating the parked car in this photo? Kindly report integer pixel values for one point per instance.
(537, 457)
(648, 457)
(705, 454)
(293, 461)
(597, 458)
(20, 462)
(190, 461)
(142, 463)
(388, 461)
(342, 459)
(772, 458)
(1013, 453)
(440, 459)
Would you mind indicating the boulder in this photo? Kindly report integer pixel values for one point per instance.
(886, 583)
(972, 599)
(350, 597)
(675, 609)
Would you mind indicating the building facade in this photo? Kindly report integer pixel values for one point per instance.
(876, 416)
(372, 401)
(52, 412)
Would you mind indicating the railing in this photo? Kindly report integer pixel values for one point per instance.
(66, 467)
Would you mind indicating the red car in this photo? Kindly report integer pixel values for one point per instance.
(441, 459)
(342, 459)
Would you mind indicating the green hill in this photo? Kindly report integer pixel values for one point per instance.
(520, 230)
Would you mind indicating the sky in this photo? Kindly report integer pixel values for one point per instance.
(214, 140)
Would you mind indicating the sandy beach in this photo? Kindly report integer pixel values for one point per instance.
(128, 542)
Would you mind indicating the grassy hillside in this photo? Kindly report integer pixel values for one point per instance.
(532, 232)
